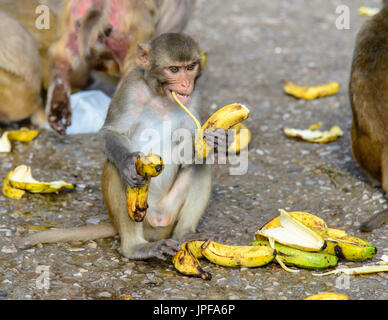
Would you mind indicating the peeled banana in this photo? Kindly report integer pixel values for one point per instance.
(299, 258)
(224, 118)
(328, 296)
(21, 178)
(148, 166)
(186, 263)
(310, 93)
(237, 256)
(241, 141)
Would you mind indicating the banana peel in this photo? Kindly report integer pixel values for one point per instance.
(203, 59)
(368, 11)
(313, 92)
(338, 242)
(299, 258)
(289, 231)
(328, 296)
(22, 135)
(314, 135)
(147, 166)
(21, 179)
(241, 138)
(224, 118)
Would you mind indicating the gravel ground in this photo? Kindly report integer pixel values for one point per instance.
(253, 45)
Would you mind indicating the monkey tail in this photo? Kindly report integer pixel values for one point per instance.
(102, 230)
(375, 222)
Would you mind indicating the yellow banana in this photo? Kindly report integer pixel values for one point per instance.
(241, 141)
(310, 93)
(186, 263)
(23, 135)
(237, 256)
(224, 118)
(328, 296)
(21, 178)
(347, 247)
(147, 166)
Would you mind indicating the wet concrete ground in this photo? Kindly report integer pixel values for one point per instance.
(253, 45)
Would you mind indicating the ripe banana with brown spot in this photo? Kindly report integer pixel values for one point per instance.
(148, 166)
(187, 263)
(237, 256)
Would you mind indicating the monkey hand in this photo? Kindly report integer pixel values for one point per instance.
(58, 106)
(219, 139)
(129, 174)
(164, 248)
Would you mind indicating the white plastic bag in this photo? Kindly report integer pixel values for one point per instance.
(89, 109)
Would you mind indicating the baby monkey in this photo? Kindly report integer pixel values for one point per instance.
(142, 104)
(368, 91)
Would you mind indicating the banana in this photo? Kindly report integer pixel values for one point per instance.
(300, 258)
(186, 263)
(237, 256)
(147, 166)
(241, 141)
(293, 232)
(328, 296)
(195, 248)
(23, 135)
(10, 192)
(224, 118)
(310, 93)
(347, 247)
(21, 178)
(338, 242)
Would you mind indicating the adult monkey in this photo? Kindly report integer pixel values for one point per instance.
(179, 196)
(368, 91)
(102, 35)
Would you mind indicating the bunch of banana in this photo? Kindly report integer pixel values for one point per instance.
(22, 135)
(21, 179)
(299, 258)
(185, 261)
(336, 242)
(224, 118)
(148, 166)
(310, 93)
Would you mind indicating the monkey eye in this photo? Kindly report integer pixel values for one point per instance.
(173, 69)
(191, 67)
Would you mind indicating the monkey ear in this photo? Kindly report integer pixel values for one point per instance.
(143, 55)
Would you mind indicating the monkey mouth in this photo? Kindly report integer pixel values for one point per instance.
(183, 98)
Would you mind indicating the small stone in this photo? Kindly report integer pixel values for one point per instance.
(9, 249)
(104, 294)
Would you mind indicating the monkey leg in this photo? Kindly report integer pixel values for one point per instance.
(102, 230)
(18, 101)
(196, 202)
(133, 243)
(368, 154)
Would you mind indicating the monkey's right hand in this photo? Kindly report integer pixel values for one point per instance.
(164, 248)
(127, 168)
(58, 106)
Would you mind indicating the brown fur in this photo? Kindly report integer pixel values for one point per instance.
(20, 74)
(368, 92)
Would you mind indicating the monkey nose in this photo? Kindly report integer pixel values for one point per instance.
(158, 168)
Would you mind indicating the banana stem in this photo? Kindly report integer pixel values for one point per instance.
(197, 123)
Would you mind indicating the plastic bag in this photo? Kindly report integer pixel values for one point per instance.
(89, 109)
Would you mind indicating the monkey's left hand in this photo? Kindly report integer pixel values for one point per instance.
(219, 139)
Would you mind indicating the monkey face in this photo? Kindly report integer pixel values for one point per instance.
(180, 77)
